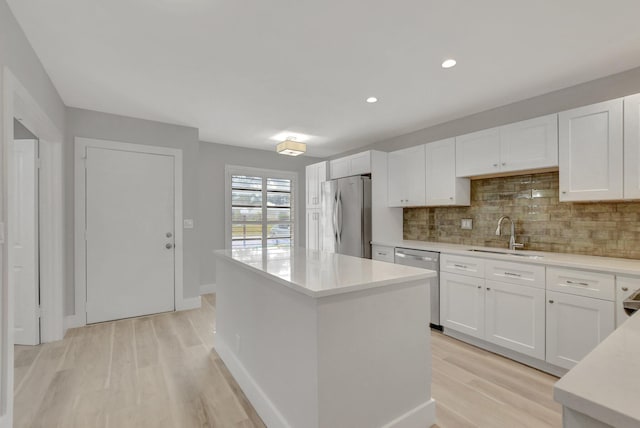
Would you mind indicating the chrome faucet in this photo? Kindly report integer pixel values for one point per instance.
(512, 240)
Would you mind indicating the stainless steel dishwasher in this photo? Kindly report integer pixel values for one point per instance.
(425, 260)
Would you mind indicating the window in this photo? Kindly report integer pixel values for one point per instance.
(261, 209)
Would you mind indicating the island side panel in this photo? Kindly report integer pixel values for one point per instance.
(266, 335)
(374, 356)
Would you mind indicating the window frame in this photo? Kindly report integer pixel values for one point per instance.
(231, 170)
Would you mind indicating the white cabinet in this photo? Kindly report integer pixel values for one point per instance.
(442, 186)
(315, 175)
(575, 325)
(632, 147)
(383, 253)
(625, 287)
(515, 317)
(407, 177)
(313, 229)
(526, 145)
(462, 304)
(591, 152)
(347, 166)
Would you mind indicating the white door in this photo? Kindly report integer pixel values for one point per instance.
(462, 304)
(478, 153)
(529, 144)
(23, 240)
(442, 186)
(129, 236)
(591, 152)
(515, 317)
(632, 147)
(575, 325)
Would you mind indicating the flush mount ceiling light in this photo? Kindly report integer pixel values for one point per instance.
(448, 63)
(372, 100)
(291, 147)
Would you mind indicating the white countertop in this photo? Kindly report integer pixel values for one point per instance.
(606, 383)
(602, 264)
(318, 273)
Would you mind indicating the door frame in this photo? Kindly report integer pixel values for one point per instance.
(81, 145)
(18, 103)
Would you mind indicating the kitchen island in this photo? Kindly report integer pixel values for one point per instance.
(318, 339)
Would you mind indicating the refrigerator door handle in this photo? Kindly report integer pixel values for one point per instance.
(339, 210)
(334, 218)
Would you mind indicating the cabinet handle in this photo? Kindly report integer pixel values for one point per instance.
(504, 163)
(460, 266)
(577, 283)
(488, 289)
(495, 165)
(451, 198)
(479, 286)
(550, 301)
(517, 275)
(625, 288)
(564, 192)
(381, 254)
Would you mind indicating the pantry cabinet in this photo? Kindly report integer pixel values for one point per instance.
(313, 229)
(591, 152)
(315, 175)
(407, 177)
(442, 186)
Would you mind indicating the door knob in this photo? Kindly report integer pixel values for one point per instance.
(550, 301)
(169, 234)
(169, 246)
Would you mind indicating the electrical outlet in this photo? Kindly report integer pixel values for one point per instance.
(466, 223)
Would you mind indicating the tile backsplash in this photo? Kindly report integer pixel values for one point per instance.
(542, 222)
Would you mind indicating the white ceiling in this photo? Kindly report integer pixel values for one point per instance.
(243, 71)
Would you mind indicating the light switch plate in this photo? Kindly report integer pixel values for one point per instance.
(466, 223)
(188, 223)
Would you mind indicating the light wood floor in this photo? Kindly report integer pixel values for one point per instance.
(161, 371)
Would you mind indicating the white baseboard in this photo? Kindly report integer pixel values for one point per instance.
(422, 416)
(188, 303)
(258, 399)
(72, 321)
(207, 289)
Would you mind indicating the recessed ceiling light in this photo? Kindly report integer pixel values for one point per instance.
(448, 63)
(372, 100)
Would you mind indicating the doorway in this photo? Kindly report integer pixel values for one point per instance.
(24, 233)
(128, 229)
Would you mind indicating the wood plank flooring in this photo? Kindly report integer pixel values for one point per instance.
(162, 371)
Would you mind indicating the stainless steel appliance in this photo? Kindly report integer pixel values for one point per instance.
(346, 216)
(425, 260)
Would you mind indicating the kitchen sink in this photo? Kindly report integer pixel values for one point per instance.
(506, 253)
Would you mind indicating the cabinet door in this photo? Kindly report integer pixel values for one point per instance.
(478, 153)
(590, 152)
(407, 177)
(462, 304)
(360, 163)
(383, 253)
(632, 147)
(313, 229)
(515, 317)
(442, 186)
(575, 325)
(529, 144)
(339, 168)
(316, 174)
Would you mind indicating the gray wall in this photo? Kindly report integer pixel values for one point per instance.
(103, 126)
(610, 87)
(211, 163)
(20, 132)
(16, 54)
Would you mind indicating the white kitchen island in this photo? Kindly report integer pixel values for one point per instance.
(322, 340)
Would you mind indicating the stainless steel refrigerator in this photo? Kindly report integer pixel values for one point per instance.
(346, 216)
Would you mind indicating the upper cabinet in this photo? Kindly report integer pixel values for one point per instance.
(357, 164)
(442, 186)
(632, 147)
(520, 146)
(591, 152)
(316, 174)
(407, 177)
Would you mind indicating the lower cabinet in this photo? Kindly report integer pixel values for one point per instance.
(462, 303)
(313, 229)
(575, 325)
(515, 318)
(383, 253)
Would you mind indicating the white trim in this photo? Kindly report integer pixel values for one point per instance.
(207, 289)
(17, 102)
(81, 145)
(422, 416)
(189, 303)
(237, 169)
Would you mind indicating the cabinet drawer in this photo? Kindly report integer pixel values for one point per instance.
(462, 265)
(382, 253)
(581, 283)
(515, 273)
